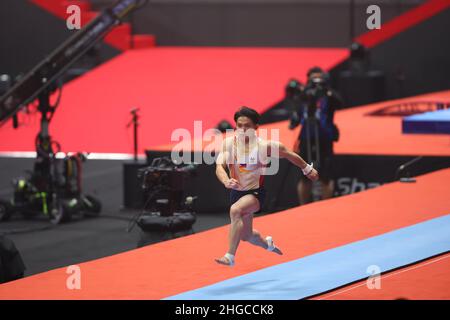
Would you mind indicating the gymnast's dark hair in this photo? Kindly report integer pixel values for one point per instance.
(247, 112)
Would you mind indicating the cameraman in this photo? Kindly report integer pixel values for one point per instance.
(314, 109)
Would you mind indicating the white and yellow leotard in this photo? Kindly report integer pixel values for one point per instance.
(246, 163)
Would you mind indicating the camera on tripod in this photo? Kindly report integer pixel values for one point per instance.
(164, 184)
(166, 211)
(316, 88)
(294, 89)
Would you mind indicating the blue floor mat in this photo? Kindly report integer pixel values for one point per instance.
(435, 122)
(332, 268)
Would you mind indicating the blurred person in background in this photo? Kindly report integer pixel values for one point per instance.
(313, 107)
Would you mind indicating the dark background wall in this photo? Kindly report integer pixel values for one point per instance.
(415, 61)
(421, 54)
(287, 23)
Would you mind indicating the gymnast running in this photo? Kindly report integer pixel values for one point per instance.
(246, 157)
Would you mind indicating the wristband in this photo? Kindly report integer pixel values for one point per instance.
(308, 169)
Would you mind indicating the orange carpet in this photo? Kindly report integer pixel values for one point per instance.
(175, 266)
(172, 87)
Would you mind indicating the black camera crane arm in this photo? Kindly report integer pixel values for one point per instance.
(43, 76)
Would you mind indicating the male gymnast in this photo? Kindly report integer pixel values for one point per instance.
(246, 157)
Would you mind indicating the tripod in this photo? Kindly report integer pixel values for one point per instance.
(312, 116)
(313, 149)
(45, 174)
